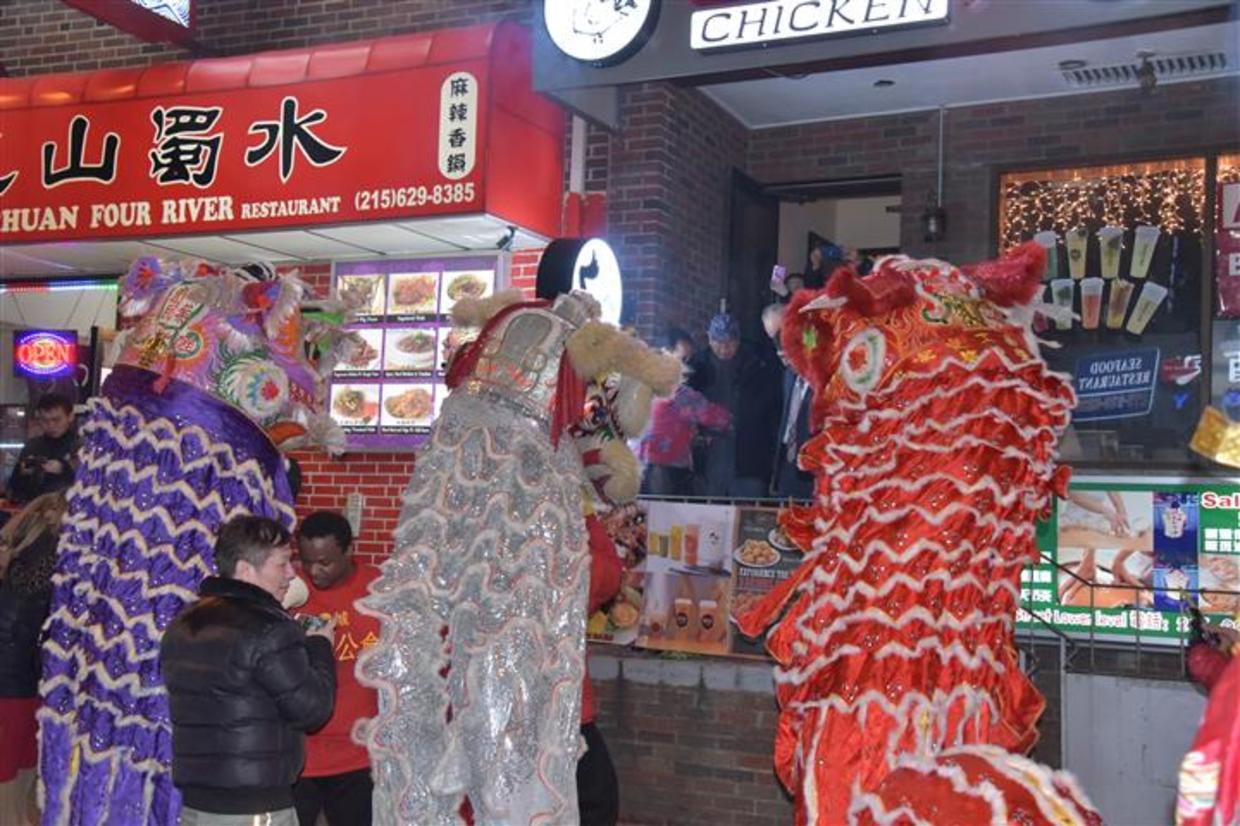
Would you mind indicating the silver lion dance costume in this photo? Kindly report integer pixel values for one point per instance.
(481, 655)
(182, 438)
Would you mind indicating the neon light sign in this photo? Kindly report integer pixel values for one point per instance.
(44, 354)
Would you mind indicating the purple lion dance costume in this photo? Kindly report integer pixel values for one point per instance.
(182, 438)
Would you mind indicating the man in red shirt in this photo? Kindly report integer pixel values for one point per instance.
(336, 780)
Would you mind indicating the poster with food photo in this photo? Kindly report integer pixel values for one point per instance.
(458, 284)
(618, 621)
(412, 295)
(407, 408)
(364, 360)
(687, 588)
(764, 557)
(364, 294)
(355, 407)
(409, 351)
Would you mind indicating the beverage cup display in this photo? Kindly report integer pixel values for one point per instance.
(684, 613)
(1091, 302)
(1151, 297)
(1111, 243)
(1061, 294)
(691, 544)
(678, 535)
(1078, 245)
(1117, 303)
(1049, 241)
(710, 622)
(1145, 241)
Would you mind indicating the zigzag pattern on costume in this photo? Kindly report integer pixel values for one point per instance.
(936, 430)
(150, 494)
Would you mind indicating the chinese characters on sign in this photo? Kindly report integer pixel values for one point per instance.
(458, 125)
(76, 168)
(185, 150)
(292, 134)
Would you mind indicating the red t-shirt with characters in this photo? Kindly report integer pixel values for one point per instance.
(331, 749)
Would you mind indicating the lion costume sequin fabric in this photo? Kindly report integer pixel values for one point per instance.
(482, 603)
(179, 441)
(936, 428)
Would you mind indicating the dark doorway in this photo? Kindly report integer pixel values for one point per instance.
(753, 245)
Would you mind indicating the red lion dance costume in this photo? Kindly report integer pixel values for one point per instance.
(936, 424)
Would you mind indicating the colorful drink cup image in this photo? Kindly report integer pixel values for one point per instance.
(1049, 241)
(1148, 301)
(1110, 242)
(1061, 293)
(1145, 241)
(1117, 303)
(1091, 302)
(1077, 243)
(692, 534)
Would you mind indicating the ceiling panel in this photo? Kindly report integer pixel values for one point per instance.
(215, 248)
(295, 245)
(387, 239)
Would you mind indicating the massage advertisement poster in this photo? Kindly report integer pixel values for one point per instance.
(386, 396)
(1152, 548)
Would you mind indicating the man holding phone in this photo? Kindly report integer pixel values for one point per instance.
(46, 461)
(336, 781)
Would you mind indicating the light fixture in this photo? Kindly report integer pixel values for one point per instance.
(884, 83)
(1147, 77)
(934, 217)
(1072, 65)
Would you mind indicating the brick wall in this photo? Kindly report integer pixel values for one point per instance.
(1105, 127)
(44, 36)
(668, 175)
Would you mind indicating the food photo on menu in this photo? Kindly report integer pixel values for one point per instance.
(465, 284)
(412, 293)
(365, 357)
(355, 405)
(406, 407)
(410, 349)
(363, 294)
(763, 557)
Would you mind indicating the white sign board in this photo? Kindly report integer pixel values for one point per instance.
(751, 24)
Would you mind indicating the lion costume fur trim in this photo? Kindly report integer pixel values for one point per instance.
(599, 348)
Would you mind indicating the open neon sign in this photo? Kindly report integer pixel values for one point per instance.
(44, 354)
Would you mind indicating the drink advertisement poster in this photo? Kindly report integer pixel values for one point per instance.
(687, 582)
(1150, 548)
(762, 559)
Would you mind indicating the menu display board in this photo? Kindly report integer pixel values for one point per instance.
(389, 393)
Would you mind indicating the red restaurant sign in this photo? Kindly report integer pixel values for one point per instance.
(405, 127)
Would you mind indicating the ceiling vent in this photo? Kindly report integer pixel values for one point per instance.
(1169, 67)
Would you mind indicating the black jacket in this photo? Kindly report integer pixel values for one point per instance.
(35, 482)
(244, 685)
(751, 393)
(25, 597)
(789, 480)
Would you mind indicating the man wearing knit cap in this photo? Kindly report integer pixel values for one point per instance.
(733, 375)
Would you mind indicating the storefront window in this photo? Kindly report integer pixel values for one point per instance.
(1225, 372)
(1126, 256)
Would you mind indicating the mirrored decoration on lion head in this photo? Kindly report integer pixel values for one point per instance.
(255, 339)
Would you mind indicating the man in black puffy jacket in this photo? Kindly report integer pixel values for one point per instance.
(245, 683)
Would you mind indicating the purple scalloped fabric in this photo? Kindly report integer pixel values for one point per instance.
(159, 474)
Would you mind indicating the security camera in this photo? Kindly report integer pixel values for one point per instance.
(504, 244)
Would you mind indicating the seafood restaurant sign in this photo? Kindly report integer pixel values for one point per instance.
(375, 131)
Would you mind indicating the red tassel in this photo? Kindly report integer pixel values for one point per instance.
(466, 359)
(569, 403)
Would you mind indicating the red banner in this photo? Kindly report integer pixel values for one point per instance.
(404, 134)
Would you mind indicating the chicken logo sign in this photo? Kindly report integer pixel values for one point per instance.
(44, 354)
